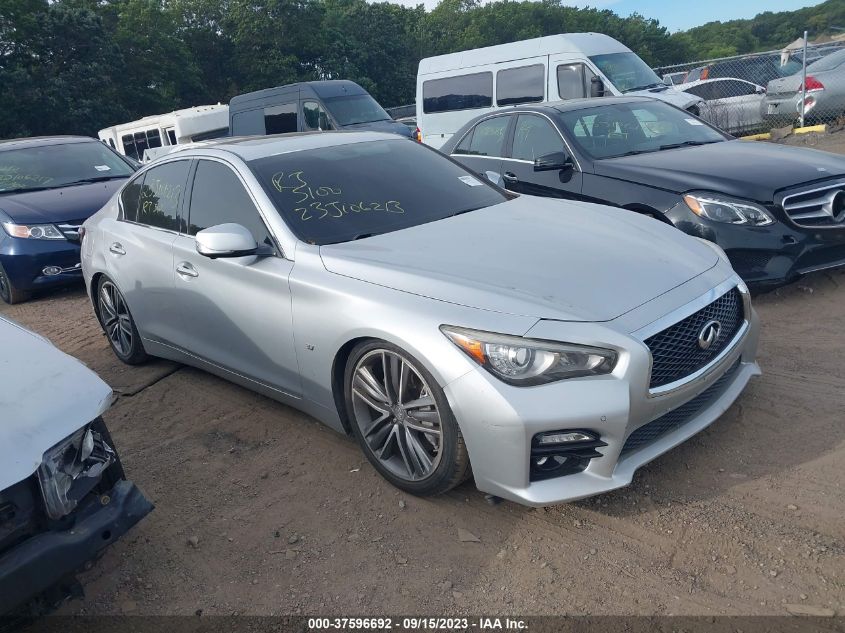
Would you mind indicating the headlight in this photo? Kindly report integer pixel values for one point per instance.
(525, 362)
(33, 231)
(726, 210)
(71, 469)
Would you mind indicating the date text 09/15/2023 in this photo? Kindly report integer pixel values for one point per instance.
(417, 624)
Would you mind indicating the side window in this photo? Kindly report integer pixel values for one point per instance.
(701, 90)
(130, 198)
(737, 89)
(280, 119)
(218, 197)
(171, 136)
(572, 81)
(153, 138)
(161, 195)
(128, 142)
(315, 116)
(464, 145)
(463, 92)
(488, 137)
(520, 85)
(140, 144)
(533, 137)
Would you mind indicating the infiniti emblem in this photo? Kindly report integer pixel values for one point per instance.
(709, 334)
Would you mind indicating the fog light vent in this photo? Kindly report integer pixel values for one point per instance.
(560, 453)
(51, 270)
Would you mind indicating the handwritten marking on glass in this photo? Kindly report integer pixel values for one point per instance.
(324, 201)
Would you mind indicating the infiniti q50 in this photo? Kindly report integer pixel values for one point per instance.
(545, 347)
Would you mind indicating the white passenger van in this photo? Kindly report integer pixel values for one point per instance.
(453, 89)
(152, 136)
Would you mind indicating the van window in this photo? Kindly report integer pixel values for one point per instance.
(171, 136)
(280, 119)
(314, 117)
(573, 81)
(354, 109)
(488, 137)
(135, 144)
(458, 93)
(520, 85)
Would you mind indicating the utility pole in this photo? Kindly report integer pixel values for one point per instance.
(804, 80)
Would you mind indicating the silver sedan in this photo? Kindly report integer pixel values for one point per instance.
(552, 346)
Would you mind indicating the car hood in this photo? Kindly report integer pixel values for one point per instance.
(45, 395)
(531, 256)
(382, 126)
(676, 97)
(78, 202)
(745, 169)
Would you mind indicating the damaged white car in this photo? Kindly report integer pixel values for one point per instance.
(63, 494)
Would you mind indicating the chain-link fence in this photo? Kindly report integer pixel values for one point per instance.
(755, 93)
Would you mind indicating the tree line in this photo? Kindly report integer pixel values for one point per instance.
(75, 66)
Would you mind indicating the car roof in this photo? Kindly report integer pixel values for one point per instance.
(253, 147)
(41, 141)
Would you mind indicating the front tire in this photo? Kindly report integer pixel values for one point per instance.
(8, 292)
(402, 420)
(117, 323)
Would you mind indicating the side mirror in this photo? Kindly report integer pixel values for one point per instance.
(553, 162)
(226, 240)
(760, 90)
(596, 87)
(495, 177)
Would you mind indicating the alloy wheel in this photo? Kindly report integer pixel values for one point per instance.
(114, 315)
(397, 415)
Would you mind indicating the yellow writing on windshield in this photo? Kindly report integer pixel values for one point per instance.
(324, 201)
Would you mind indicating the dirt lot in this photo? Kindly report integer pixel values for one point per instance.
(289, 518)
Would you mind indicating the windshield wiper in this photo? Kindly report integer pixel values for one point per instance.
(686, 144)
(85, 181)
(634, 152)
(25, 190)
(646, 87)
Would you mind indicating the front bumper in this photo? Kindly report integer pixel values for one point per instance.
(498, 421)
(43, 560)
(767, 256)
(25, 260)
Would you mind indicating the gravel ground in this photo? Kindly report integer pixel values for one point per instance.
(262, 510)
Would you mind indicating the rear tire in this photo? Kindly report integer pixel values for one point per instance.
(402, 420)
(118, 324)
(8, 292)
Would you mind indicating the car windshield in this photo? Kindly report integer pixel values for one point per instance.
(609, 131)
(347, 192)
(349, 110)
(626, 71)
(55, 166)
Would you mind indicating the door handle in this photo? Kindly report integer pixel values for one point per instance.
(117, 248)
(510, 177)
(187, 270)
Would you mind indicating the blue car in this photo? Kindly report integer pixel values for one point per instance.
(48, 187)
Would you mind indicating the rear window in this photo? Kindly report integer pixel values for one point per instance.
(56, 166)
(463, 92)
(347, 192)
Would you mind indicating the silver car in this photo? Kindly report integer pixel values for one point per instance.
(824, 97)
(546, 348)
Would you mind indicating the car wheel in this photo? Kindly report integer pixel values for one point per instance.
(402, 420)
(8, 292)
(118, 324)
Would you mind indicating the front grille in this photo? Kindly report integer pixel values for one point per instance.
(675, 351)
(823, 207)
(70, 229)
(749, 260)
(676, 418)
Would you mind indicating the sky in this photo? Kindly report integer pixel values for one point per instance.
(679, 15)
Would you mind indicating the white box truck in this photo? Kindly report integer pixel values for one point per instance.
(453, 89)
